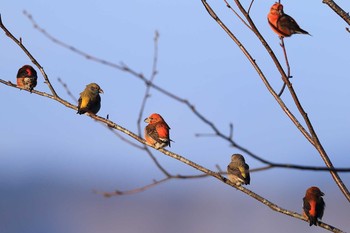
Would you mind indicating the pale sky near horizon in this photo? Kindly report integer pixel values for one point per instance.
(51, 157)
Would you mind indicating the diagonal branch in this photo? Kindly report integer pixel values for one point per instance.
(316, 143)
(311, 137)
(35, 62)
(338, 10)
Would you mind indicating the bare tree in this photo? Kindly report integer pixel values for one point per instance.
(136, 139)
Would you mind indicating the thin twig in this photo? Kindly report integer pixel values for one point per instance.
(132, 191)
(235, 12)
(250, 6)
(287, 64)
(149, 83)
(65, 86)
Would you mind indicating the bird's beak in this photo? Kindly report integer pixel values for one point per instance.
(322, 194)
(100, 91)
(146, 120)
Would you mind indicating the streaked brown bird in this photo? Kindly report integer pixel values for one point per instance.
(313, 205)
(90, 100)
(157, 131)
(27, 78)
(282, 24)
(238, 170)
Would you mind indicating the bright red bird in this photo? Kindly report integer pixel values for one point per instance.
(27, 77)
(157, 131)
(313, 205)
(282, 24)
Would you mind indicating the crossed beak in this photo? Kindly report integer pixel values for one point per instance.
(146, 120)
(100, 91)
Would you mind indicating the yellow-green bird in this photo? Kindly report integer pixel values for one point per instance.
(90, 100)
(238, 170)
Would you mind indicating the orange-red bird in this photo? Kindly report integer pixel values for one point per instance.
(282, 24)
(27, 77)
(157, 131)
(313, 205)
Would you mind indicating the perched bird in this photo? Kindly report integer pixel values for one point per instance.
(313, 205)
(90, 100)
(27, 77)
(238, 170)
(282, 24)
(157, 131)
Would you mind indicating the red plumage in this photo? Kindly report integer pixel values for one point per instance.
(313, 205)
(282, 24)
(157, 131)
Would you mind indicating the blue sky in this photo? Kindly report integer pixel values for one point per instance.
(51, 158)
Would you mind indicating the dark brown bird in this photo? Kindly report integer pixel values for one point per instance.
(313, 205)
(238, 170)
(27, 77)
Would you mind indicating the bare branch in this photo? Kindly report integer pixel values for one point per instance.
(133, 191)
(149, 83)
(235, 12)
(287, 64)
(338, 10)
(65, 86)
(311, 137)
(250, 6)
(35, 62)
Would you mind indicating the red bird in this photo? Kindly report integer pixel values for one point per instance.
(313, 205)
(282, 24)
(27, 77)
(157, 131)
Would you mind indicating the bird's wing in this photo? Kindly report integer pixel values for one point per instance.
(320, 208)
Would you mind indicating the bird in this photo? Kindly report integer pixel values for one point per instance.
(313, 205)
(157, 131)
(238, 170)
(27, 78)
(90, 100)
(282, 24)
